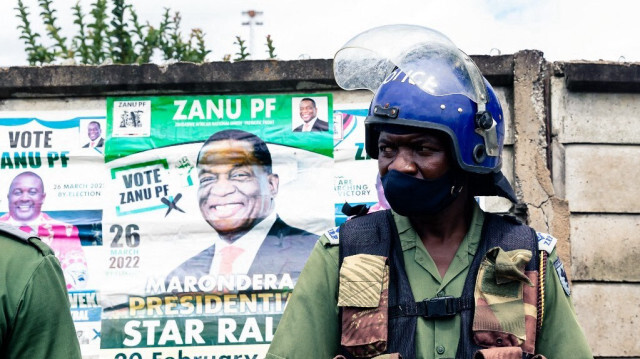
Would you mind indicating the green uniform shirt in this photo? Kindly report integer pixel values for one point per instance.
(35, 321)
(310, 325)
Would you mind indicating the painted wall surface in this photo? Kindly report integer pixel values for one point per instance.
(596, 166)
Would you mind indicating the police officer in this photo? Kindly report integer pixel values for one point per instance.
(35, 321)
(434, 277)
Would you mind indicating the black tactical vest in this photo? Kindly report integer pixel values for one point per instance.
(376, 234)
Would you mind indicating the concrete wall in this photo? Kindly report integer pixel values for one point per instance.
(596, 142)
(571, 152)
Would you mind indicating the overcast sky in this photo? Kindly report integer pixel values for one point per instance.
(562, 29)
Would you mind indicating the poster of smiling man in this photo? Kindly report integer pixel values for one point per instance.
(53, 187)
(214, 205)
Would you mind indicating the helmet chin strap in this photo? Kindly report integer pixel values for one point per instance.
(460, 179)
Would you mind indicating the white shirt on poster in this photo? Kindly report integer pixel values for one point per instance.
(250, 243)
(306, 127)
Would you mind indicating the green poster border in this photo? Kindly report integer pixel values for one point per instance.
(164, 164)
(317, 142)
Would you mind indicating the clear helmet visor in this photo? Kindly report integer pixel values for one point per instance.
(418, 54)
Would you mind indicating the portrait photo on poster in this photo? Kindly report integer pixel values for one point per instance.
(237, 193)
(92, 134)
(66, 232)
(309, 114)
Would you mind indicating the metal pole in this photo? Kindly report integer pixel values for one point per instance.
(252, 23)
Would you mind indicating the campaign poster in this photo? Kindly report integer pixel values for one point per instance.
(356, 174)
(53, 178)
(213, 205)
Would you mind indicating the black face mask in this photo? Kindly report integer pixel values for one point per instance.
(410, 196)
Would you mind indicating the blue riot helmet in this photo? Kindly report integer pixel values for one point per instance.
(420, 79)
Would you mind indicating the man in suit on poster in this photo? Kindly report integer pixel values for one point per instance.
(95, 136)
(309, 115)
(236, 194)
(26, 197)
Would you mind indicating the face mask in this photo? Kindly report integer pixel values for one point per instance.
(410, 196)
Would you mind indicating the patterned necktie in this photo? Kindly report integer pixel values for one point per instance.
(229, 255)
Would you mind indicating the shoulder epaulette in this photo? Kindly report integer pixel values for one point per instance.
(14, 232)
(333, 236)
(546, 242)
(28, 238)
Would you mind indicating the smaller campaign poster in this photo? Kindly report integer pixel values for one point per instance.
(213, 205)
(356, 180)
(53, 177)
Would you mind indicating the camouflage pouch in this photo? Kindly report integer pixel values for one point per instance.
(503, 353)
(388, 356)
(363, 295)
(499, 353)
(383, 356)
(506, 298)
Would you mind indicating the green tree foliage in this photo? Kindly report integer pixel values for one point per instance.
(196, 48)
(49, 18)
(80, 46)
(114, 33)
(174, 41)
(242, 54)
(147, 41)
(166, 25)
(121, 45)
(98, 33)
(36, 52)
(270, 48)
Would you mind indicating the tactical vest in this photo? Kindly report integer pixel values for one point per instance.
(376, 234)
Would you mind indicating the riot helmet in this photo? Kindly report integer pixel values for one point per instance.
(421, 80)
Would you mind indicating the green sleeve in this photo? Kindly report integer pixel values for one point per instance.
(43, 327)
(309, 325)
(561, 335)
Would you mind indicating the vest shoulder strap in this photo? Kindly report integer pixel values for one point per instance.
(368, 234)
(376, 234)
(497, 231)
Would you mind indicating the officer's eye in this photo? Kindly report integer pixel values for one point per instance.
(33, 192)
(427, 148)
(386, 150)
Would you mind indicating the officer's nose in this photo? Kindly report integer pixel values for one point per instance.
(403, 162)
